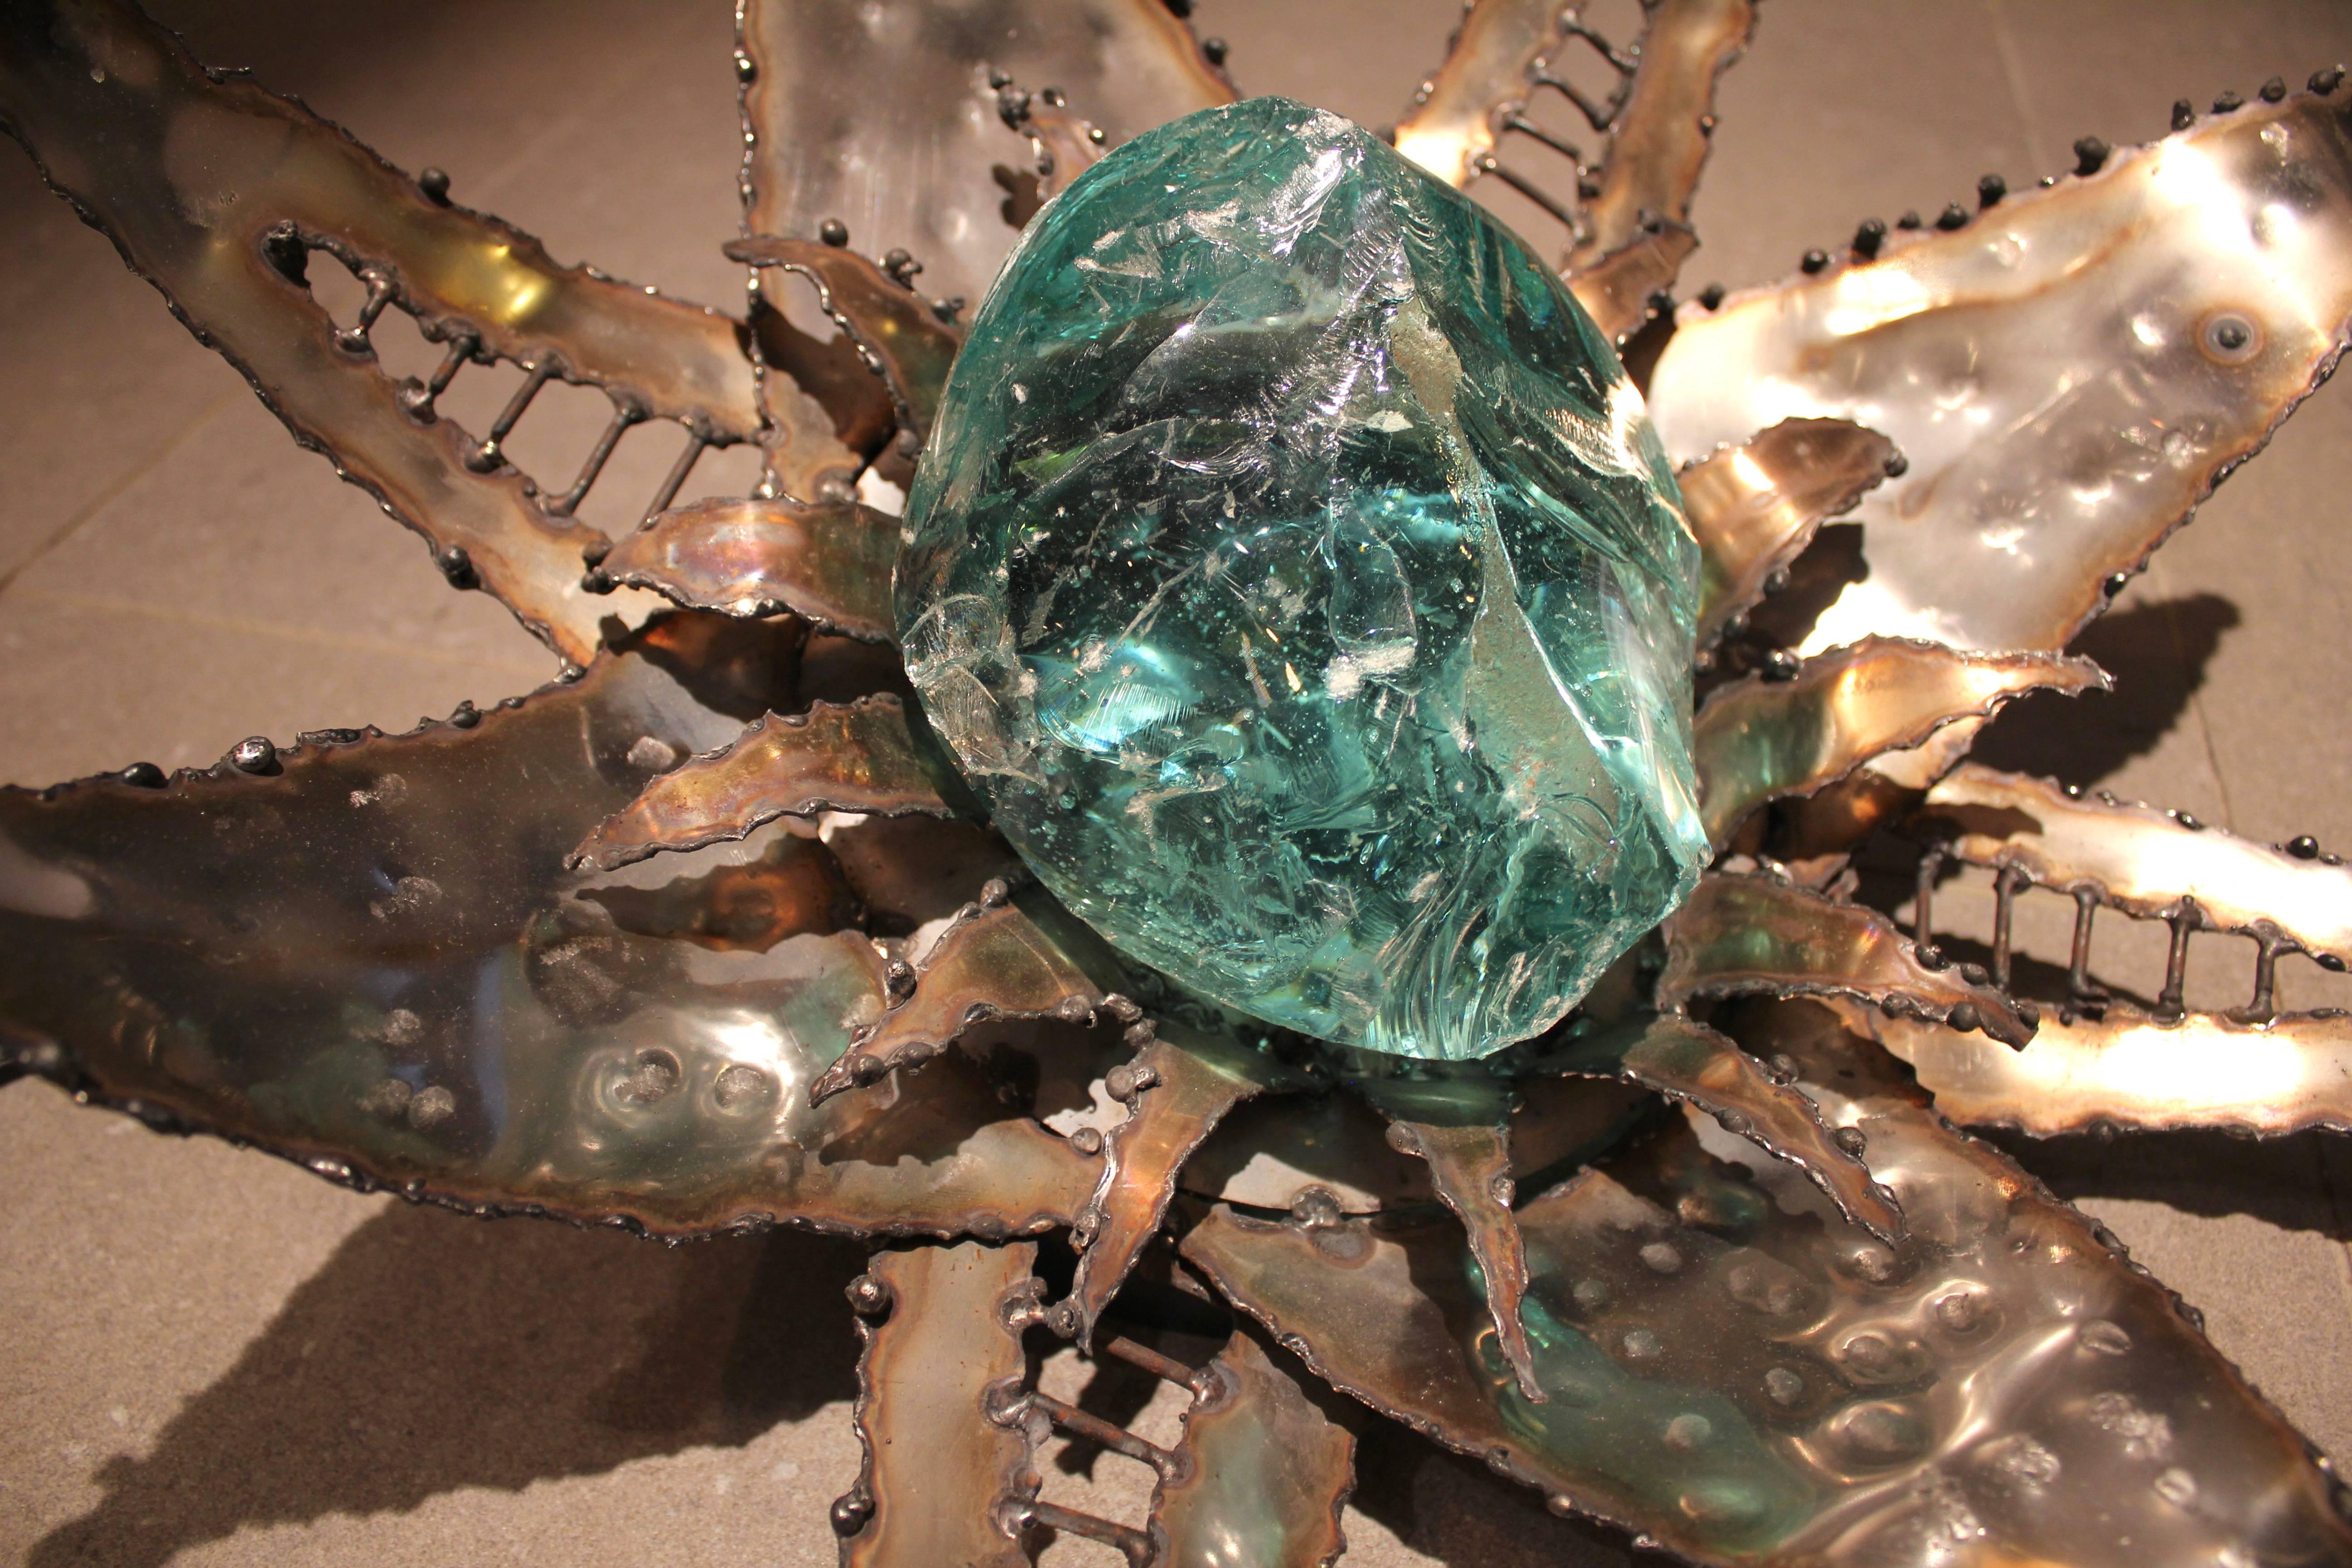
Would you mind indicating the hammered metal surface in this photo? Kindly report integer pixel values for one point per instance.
(1747, 1380)
(1755, 507)
(826, 562)
(2137, 859)
(1264, 1472)
(944, 1361)
(1757, 740)
(884, 117)
(2069, 374)
(190, 176)
(1743, 934)
(2125, 1068)
(368, 956)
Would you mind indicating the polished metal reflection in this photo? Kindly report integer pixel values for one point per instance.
(2136, 858)
(883, 117)
(1755, 1381)
(1758, 739)
(2125, 1068)
(400, 985)
(2069, 374)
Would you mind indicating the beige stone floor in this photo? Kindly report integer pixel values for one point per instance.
(209, 1357)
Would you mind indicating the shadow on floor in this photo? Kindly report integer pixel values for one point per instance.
(2157, 653)
(2299, 1182)
(432, 1353)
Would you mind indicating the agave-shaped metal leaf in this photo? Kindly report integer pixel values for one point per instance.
(2125, 1068)
(1746, 935)
(948, 1465)
(852, 756)
(1756, 506)
(2069, 374)
(885, 120)
(2138, 859)
(828, 562)
(217, 192)
(1263, 1472)
(1762, 739)
(364, 952)
(1628, 215)
(1745, 1378)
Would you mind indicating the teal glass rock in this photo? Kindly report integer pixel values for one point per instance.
(1294, 571)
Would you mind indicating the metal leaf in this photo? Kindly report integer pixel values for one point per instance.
(2125, 1068)
(857, 756)
(2141, 861)
(901, 336)
(1630, 237)
(1262, 1469)
(1759, 739)
(1691, 1063)
(1659, 144)
(1742, 935)
(1741, 1377)
(1176, 1089)
(2069, 374)
(998, 958)
(828, 562)
(1062, 144)
(1458, 115)
(1756, 506)
(890, 127)
(948, 1464)
(364, 952)
(1470, 1168)
(215, 191)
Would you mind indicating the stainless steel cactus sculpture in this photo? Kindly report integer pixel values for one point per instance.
(709, 936)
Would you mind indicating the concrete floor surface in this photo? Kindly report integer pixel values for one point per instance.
(213, 1358)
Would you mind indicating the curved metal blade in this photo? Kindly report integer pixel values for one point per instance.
(1756, 506)
(2138, 859)
(368, 957)
(2125, 1068)
(1741, 1377)
(1470, 1169)
(1691, 1063)
(1624, 253)
(923, 175)
(1756, 739)
(1261, 1469)
(2069, 374)
(1176, 1090)
(902, 337)
(999, 957)
(855, 757)
(1628, 222)
(1743, 935)
(829, 562)
(215, 192)
(947, 1464)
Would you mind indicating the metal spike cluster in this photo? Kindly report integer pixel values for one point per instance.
(1704, 1262)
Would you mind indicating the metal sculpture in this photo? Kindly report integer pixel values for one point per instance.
(706, 936)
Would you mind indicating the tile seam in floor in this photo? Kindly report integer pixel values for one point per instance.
(111, 605)
(110, 493)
